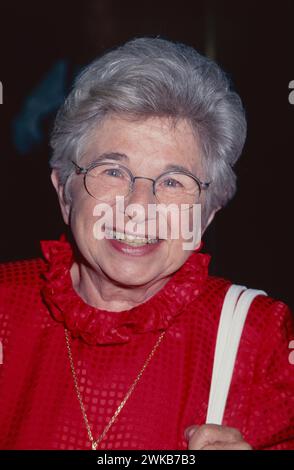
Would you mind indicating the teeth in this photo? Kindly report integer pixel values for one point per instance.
(131, 239)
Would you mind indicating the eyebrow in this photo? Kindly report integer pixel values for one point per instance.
(123, 157)
(111, 156)
(172, 167)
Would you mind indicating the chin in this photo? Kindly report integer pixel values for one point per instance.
(132, 277)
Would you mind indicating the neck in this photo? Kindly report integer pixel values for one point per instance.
(100, 291)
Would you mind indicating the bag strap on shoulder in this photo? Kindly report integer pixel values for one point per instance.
(232, 319)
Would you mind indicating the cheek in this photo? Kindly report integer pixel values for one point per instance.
(175, 255)
(82, 219)
(182, 225)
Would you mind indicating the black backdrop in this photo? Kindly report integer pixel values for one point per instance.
(251, 240)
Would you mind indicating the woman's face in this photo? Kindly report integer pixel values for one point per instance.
(148, 146)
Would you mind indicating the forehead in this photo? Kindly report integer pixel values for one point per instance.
(151, 143)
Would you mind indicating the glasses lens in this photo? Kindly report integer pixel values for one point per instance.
(106, 181)
(177, 188)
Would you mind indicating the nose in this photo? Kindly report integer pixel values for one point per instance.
(142, 191)
(141, 195)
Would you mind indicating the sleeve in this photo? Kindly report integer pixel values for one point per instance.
(271, 415)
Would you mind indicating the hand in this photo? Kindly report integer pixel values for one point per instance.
(215, 437)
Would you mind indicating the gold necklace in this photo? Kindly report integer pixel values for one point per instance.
(94, 442)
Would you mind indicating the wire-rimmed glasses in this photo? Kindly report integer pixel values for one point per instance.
(104, 181)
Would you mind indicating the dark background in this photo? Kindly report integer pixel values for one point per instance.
(251, 240)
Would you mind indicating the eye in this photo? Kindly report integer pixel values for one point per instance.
(115, 172)
(171, 183)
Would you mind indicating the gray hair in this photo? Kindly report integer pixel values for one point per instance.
(152, 77)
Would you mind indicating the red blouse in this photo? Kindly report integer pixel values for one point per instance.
(39, 408)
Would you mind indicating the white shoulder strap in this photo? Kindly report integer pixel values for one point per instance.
(233, 315)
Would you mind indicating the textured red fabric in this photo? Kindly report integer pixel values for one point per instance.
(38, 404)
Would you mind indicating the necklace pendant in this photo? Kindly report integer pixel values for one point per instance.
(94, 445)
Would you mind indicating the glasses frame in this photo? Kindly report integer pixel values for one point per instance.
(84, 171)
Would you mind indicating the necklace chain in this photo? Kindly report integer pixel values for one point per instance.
(94, 442)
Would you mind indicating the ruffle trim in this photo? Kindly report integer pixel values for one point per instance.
(98, 326)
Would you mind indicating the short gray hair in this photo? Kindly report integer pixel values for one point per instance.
(153, 77)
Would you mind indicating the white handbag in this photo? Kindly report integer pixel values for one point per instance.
(233, 315)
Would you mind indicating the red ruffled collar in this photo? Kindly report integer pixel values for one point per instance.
(97, 326)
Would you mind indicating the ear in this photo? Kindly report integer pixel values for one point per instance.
(59, 188)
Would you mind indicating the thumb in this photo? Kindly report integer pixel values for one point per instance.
(190, 430)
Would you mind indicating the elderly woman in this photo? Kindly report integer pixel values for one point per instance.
(108, 342)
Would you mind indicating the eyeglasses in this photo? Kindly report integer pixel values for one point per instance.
(106, 180)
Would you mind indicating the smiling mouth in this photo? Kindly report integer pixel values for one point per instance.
(132, 240)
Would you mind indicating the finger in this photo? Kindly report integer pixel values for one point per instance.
(212, 433)
(241, 445)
